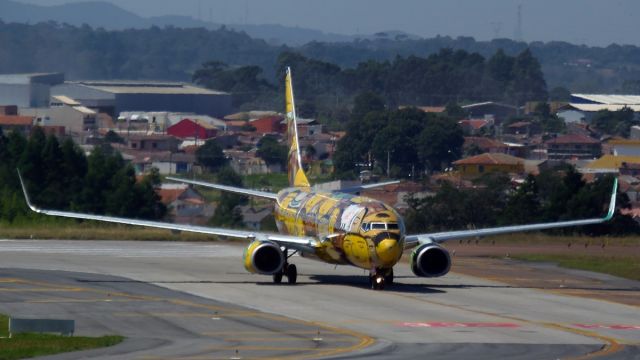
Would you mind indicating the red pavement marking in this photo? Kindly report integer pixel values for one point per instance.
(610, 327)
(436, 324)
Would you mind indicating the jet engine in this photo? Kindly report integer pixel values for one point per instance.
(263, 257)
(430, 260)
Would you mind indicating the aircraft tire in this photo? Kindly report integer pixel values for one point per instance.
(277, 277)
(388, 278)
(292, 274)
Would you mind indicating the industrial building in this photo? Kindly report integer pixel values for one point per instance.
(28, 90)
(114, 97)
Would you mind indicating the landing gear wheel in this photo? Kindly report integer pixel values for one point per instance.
(388, 278)
(292, 274)
(277, 277)
(377, 282)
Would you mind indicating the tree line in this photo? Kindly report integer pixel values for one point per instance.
(553, 195)
(60, 176)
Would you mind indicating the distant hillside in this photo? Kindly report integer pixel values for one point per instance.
(111, 17)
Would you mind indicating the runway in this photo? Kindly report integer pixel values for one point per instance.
(452, 317)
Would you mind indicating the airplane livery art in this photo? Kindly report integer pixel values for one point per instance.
(334, 227)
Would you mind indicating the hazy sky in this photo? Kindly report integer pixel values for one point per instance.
(594, 22)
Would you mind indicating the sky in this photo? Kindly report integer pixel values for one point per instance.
(591, 22)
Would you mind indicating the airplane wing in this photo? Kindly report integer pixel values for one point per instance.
(303, 244)
(418, 239)
(248, 192)
(368, 186)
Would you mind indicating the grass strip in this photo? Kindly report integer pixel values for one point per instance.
(22, 346)
(625, 267)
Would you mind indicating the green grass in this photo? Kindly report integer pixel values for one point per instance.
(540, 238)
(626, 267)
(22, 346)
(94, 231)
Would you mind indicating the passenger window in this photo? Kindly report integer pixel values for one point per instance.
(365, 226)
(392, 226)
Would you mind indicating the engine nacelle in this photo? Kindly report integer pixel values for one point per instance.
(263, 257)
(430, 260)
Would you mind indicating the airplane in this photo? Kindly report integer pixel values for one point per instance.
(339, 228)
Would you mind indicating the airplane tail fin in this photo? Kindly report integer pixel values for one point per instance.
(297, 177)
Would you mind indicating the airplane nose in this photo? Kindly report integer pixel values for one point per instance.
(389, 252)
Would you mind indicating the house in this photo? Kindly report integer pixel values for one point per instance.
(487, 163)
(525, 128)
(624, 147)
(569, 147)
(247, 163)
(498, 111)
(185, 204)
(252, 217)
(21, 124)
(192, 129)
(473, 126)
(485, 145)
(269, 124)
(613, 164)
(166, 162)
(153, 142)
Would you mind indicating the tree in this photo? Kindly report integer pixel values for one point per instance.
(440, 143)
(227, 213)
(528, 82)
(271, 151)
(210, 155)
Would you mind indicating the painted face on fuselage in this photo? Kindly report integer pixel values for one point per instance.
(386, 231)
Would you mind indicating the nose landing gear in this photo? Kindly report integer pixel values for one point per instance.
(381, 278)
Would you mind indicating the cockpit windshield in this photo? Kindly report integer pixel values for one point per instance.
(379, 226)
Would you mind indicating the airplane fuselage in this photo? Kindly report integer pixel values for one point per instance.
(353, 230)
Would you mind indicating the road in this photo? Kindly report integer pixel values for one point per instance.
(457, 316)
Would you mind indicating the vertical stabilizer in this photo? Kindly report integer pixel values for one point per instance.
(297, 176)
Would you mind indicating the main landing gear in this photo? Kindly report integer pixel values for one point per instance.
(288, 270)
(381, 278)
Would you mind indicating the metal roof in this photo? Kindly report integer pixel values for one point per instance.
(139, 87)
(599, 107)
(610, 99)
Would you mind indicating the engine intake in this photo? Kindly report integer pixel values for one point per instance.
(430, 260)
(263, 257)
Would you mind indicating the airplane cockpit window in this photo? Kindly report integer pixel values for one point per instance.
(379, 226)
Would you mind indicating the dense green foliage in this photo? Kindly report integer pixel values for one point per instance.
(553, 195)
(60, 176)
(271, 151)
(211, 156)
(615, 122)
(407, 141)
(227, 213)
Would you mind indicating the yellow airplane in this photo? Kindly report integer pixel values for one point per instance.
(334, 227)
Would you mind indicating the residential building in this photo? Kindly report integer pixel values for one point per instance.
(498, 111)
(21, 124)
(485, 145)
(192, 129)
(473, 126)
(185, 204)
(574, 147)
(153, 142)
(613, 164)
(268, 124)
(252, 217)
(624, 147)
(487, 163)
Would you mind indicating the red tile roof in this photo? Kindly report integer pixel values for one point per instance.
(474, 123)
(16, 120)
(490, 159)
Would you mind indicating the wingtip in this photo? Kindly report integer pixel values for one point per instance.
(26, 194)
(612, 203)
